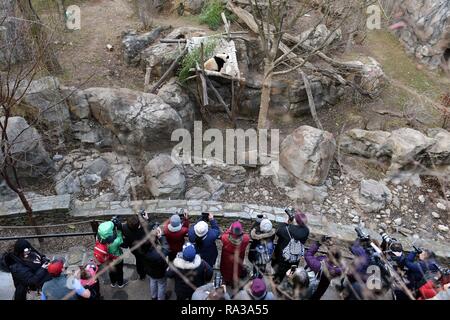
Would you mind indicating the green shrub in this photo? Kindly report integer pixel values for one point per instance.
(194, 56)
(211, 14)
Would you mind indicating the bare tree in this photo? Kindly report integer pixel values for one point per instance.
(40, 36)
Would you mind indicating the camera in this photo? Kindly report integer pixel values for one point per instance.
(363, 236)
(117, 222)
(205, 217)
(386, 238)
(181, 213)
(290, 211)
(417, 250)
(218, 280)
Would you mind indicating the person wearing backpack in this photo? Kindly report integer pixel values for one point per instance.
(29, 268)
(88, 280)
(205, 238)
(192, 267)
(291, 237)
(325, 267)
(299, 284)
(234, 244)
(261, 247)
(108, 248)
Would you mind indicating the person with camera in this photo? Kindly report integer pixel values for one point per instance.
(291, 237)
(212, 291)
(62, 286)
(421, 266)
(435, 284)
(325, 267)
(261, 246)
(28, 268)
(134, 231)
(191, 266)
(298, 284)
(176, 231)
(234, 245)
(108, 249)
(155, 263)
(204, 238)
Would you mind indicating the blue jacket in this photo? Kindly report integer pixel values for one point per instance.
(418, 269)
(207, 248)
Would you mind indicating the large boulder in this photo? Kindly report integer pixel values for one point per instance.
(26, 148)
(173, 94)
(91, 133)
(440, 150)
(373, 196)
(136, 118)
(90, 174)
(77, 102)
(406, 145)
(362, 142)
(194, 6)
(133, 43)
(164, 178)
(307, 154)
(44, 100)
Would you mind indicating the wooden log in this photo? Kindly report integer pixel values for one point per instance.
(312, 104)
(166, 75)
(203, 86)
(219, 97)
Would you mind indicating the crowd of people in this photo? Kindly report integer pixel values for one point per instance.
(266, 263)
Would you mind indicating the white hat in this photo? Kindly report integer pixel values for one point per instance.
(201, 229)
(265, 225)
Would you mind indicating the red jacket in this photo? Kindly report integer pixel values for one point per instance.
(229, 250)
(176, 239)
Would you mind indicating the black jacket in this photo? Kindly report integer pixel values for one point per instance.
(297, 232)
(155, 265)
(131, 237)
(199, 272)
(26, 275)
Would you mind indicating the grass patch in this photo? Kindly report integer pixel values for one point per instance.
(194, 56)
(211, 14)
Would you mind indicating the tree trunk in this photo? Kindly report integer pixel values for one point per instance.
(265, 94)
(41, 38)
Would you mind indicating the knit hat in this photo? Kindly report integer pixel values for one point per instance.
(201, 229)
(236, 229)
(189, 252)
(301, 218)
(56, 267)
(175, 223)
(20, 246)
(258, 288)
(265, 225)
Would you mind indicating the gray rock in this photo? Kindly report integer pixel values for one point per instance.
(442, 228)
(27, 148)
(194, 6)
(77, 102)
(307, 154)
(43, 100)
(215, 187)
(174, 95)
(133, 43)
(373, 196)
(440, 151)
(307, 193)
(197, 193)
(435, 215)
(362, 142)
(92, 133)
(136, 118)
(165, 179)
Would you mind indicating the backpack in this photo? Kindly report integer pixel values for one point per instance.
(262, 255)
(101, 254)
(294, 250)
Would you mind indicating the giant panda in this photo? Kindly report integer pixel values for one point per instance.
(217, 62)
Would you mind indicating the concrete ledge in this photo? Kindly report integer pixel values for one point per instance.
(60, 203)
(318, 224)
